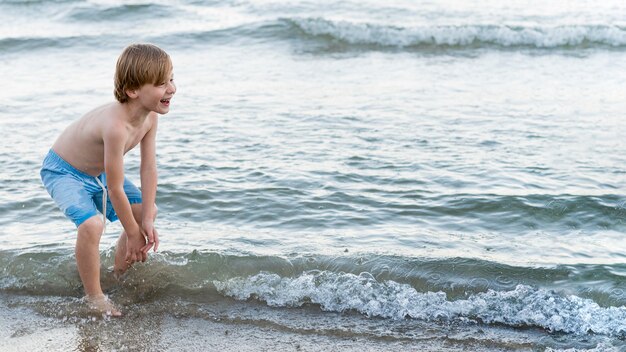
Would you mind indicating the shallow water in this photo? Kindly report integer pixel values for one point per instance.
(415, 165)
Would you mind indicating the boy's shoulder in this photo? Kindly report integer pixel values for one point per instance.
(114, 116)
(105, 118)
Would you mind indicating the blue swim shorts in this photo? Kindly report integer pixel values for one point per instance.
(78, 194)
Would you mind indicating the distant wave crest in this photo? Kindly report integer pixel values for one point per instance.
(118, 12)
(347, 34)
(464, 35)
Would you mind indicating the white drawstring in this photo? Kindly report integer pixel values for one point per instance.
(104, 205)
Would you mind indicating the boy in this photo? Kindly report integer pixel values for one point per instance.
(89, 156)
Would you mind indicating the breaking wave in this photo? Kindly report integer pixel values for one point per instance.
(340, 292)
(468, 35)
(389, 287)
(321, 32)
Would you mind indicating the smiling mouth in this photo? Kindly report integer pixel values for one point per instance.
(165, 102)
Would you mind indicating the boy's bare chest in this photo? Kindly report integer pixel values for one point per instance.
(135, 136)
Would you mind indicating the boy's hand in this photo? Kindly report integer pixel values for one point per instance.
(151, 235)
(135, 241)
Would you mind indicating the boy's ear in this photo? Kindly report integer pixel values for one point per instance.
(132, 93)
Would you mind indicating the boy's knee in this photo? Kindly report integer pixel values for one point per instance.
(91, 227)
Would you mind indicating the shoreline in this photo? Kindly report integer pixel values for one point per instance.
(24, 329)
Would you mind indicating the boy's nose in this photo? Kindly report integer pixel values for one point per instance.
(171, 88)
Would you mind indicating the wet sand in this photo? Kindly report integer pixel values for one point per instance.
(22, 328)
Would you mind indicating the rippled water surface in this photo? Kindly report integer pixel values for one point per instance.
(435, 165)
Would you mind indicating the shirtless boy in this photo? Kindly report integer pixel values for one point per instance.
(89, 157)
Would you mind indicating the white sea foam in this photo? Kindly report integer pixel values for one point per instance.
(540, 36)
(338, 292)
(601, 347)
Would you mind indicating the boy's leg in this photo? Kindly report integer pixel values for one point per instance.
(88, 261)
(73, 192)
(121, 266)
(88, 254)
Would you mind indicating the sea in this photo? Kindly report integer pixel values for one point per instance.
(334, 175)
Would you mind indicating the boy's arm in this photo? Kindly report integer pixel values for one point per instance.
(114, 139)
(148, 171)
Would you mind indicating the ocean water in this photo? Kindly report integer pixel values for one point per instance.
(410, 174)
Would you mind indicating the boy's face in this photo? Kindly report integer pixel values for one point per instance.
(156, 97)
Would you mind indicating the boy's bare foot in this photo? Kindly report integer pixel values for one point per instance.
(103, 305)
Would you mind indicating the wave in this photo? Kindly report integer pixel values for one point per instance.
(363, 201)
(578, 299)
(21, 44)
(340, 292)
(288, 206)
(35, 2)
(119, 12)
(468, 35)
(325, 34)
(40, 270)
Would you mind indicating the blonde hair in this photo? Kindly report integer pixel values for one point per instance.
(140, 64)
